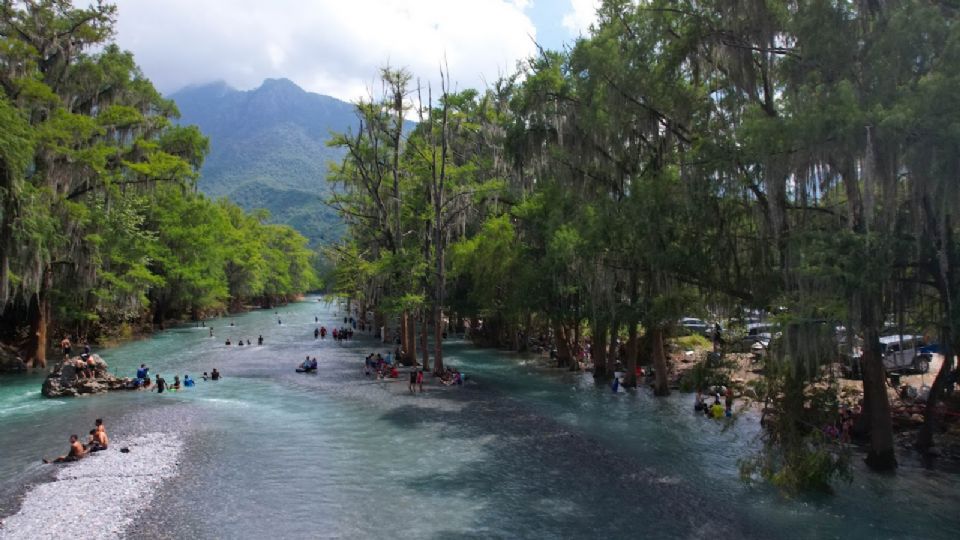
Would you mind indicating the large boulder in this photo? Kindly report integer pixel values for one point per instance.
(69, 379)
(10, 361)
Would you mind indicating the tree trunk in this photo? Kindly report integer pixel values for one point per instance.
(563, 345)
(405, 336)
(630, 381)
(662, 385)
(613, 353)
(411, 338)
(598, 350)
(437, 338)
(633, 347)
(39, 321)
(925, 435)
(423, 340)
(881, 455)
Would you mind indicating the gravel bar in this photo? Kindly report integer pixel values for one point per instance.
(100, 495)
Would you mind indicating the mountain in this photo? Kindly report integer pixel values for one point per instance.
(268, 149)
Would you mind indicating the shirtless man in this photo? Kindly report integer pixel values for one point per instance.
(101, 437)
(76, 452)
(65, 345)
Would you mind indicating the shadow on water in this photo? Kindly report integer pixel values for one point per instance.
(539, 479)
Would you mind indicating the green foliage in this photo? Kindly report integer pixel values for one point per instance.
(98, 216)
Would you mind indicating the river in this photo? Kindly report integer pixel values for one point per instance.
(519, 451)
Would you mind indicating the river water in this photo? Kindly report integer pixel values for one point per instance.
(519, 451)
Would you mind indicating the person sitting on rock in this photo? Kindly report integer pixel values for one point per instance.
(91, 364)
(83, 368)
(76, 452)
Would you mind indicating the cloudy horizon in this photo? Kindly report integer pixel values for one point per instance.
(337, 48)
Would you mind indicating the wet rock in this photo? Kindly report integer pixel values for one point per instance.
(71, 378)
(10, 361)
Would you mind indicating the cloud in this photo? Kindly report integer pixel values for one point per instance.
(334, 47)
(583, 14)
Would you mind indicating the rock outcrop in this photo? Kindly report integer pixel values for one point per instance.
(77, 376)
(10, 361)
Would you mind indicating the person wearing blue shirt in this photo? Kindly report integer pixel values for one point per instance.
(187, 381)
(142, 374)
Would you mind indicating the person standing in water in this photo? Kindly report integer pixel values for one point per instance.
(260, 340)
(420, 379)
(211, 331)
(161, 384)
(215, 375)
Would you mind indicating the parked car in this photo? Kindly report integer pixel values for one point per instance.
(694, 326)
(900, 353)
(760, 333)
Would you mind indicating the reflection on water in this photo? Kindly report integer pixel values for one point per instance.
(520, 451)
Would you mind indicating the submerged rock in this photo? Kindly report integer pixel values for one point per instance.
(79, 377)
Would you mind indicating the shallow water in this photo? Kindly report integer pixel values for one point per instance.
(520, 451)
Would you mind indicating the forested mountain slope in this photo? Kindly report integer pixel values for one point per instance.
(268, 149)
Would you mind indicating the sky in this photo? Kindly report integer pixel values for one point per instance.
(336, 47)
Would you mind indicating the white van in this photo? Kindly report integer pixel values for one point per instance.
(903, 353)
(900, 353)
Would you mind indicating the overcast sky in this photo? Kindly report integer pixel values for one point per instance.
(336, 47)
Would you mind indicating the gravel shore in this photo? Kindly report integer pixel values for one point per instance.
(99, 496)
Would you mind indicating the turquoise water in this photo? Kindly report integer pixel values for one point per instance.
(520, 451)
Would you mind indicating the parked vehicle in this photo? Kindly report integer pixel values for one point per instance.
(694, 326)
(760, 333)
(900, 354)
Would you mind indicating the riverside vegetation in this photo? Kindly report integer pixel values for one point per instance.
(685, 157)
(102, 231)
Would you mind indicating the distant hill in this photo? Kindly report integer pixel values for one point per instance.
(268, 149)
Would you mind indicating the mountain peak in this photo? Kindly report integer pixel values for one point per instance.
(282, 84)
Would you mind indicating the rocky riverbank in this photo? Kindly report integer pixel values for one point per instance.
(99, 496)
(10, 361)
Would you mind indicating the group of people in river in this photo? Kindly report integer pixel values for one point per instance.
(143, 382)
(240, 342)
(338, 334)
(716, 410)
(382, 367)
(97, 441)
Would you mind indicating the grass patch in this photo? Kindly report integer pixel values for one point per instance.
(693, 341)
